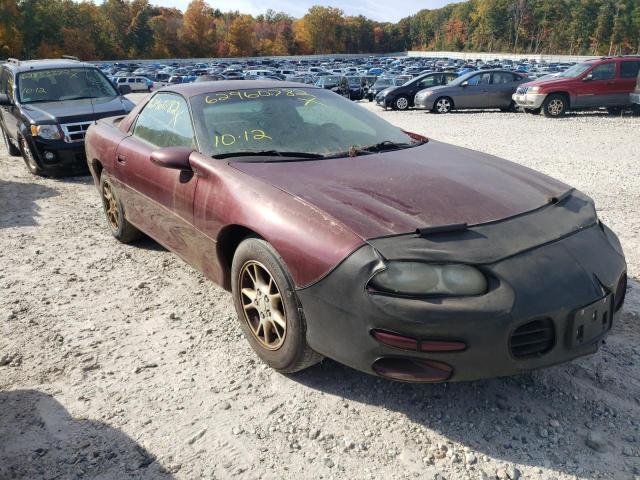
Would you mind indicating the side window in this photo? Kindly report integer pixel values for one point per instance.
(606, 71)
(165, 122)
(629, 69)
(501, 78)
(481, 79)
(428, 82)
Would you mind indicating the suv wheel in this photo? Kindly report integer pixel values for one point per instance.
(11, 148)
(555, 105)
(29, 158)
(268, 308)
(400, 103)
(615, 110)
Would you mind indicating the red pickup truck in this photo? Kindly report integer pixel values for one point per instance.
(604, 82)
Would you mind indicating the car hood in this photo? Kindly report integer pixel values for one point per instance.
(399, 191)
(549, 81)
(83, 110)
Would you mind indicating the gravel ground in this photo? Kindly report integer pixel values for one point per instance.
(121, 361)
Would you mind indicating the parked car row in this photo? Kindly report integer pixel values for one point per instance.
(607, 82)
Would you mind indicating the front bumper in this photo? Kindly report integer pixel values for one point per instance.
(424, 101)
(549, 283)
(67, 157)
(382, 101)
(529, 100)
(635, 98)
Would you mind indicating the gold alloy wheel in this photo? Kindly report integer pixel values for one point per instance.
(262, 305)
(110, 207)
(556, 106)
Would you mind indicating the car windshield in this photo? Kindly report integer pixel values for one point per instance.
(55, 85)
(576, 70)
(305, 120)
(331, 79)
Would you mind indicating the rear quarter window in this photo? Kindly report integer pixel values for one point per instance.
(629, 69)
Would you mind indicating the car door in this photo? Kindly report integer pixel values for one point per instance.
(503, 85)
(595, 87)
(157, 199)
(475, 93)
(9, 114)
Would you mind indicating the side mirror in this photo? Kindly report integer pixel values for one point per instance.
(124, 89)
(4, 100)
(588, 78)
(173, 157)
(464, 84)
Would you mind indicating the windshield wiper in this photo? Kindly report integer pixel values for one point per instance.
(383, 146)
(268, 153)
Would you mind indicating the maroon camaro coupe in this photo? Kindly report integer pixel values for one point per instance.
(343, 236)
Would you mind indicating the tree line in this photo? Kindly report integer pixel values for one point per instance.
(119, 29)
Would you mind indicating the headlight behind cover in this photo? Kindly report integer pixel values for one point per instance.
(423, 279)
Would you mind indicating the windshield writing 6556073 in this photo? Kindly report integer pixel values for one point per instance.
(306, 97)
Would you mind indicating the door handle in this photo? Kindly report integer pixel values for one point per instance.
(122, 159)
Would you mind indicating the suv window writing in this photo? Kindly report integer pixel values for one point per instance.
(606, 71)
(165, 122)
(629, 69)
(55, 85)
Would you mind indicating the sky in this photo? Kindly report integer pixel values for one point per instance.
(381, 10)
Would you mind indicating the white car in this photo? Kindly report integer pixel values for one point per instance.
(137, 84)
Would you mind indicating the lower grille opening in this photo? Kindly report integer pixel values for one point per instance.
(533, 339)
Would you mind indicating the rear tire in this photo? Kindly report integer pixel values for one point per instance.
(443, 105)
(615, 110)
(117, 222)
(11, 148)
(29, 158)
(555, 106)
(268, 308)
(400, 103)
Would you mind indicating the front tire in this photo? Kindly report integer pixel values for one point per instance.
(400, 103)
(118, 224)
(555, 106)
(268, 308)
(11, 148)
(29, 158)
(443, 105)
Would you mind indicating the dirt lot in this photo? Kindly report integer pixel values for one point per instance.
(122, 362)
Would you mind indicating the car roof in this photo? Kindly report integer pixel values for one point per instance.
(30, 65)
(200, 88)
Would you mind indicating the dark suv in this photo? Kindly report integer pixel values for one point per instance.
(46, 107)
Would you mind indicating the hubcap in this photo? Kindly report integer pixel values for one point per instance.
(402, 103)
(556, 106)
(110, 207)
(443, 105)
(262, 305)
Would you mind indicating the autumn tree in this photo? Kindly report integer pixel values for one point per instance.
(199, 29)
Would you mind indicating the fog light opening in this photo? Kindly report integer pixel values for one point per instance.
(395, 340)
(412, 369)
(50, 156)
